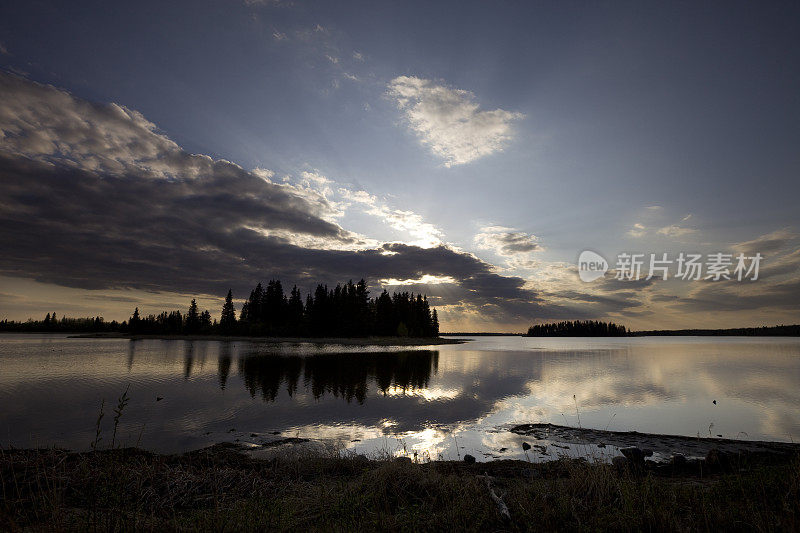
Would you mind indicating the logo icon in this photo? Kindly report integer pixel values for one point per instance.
(591, 266)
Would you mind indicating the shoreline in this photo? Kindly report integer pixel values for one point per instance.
(223, 488)
(664, 446)
(344, 341)
(550, 442)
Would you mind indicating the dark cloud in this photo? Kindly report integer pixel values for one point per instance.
(741, 296)
(665, 298)
(767, 244)
(81, 229)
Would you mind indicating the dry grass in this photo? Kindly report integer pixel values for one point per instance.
(220, 489)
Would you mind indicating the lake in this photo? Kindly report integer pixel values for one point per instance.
(439, 401)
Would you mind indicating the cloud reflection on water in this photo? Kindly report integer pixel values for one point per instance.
(51, 389)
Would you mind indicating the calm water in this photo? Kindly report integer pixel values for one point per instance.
(429, 400)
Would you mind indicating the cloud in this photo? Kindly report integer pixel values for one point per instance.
(276, 3)
(450, 122)
(740, 296)
(95, 197)
(424, 233)
(506, 241)
(638, 230)
(43, 123)
(771, 242)
(675, 231)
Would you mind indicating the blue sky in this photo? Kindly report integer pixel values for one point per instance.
(557, 127)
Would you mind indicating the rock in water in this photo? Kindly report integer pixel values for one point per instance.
(526, 446)
(678, 460)
(635, 455)
(469, 459)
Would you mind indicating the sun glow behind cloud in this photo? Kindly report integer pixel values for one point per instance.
(450, 122)
(427, 279)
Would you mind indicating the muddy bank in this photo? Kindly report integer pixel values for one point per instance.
(663, 446)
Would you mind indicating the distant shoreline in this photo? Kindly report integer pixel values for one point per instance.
(763, 331)
(346, 341)
(595, 328)
(480, 334)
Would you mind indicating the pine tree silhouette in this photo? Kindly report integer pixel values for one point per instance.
(227, 321)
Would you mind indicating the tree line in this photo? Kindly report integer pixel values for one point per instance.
(763, 331)
(52, 324)
(577, 328)
(344, 311)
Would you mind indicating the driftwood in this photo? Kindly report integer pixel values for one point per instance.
(502, 508)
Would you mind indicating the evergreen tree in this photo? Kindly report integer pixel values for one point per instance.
(295, 311)
(134, 323)
(205, 321)
(192, 318)
(227, 321)
(384, 315)
(275, 307)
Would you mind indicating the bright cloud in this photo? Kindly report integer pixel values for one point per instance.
(450, 122)
(424, 233)
(506, 241)
(426, 279)
(638, 230)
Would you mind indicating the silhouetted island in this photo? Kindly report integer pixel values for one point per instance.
(577, 328)
(593, 328)
(345, 311)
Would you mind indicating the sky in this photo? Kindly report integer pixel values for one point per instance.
(152, 152)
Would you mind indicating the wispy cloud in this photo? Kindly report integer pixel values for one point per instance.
(675, 231)
(638, 230)
(422, 233)
(765, 244)
(450, 121)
